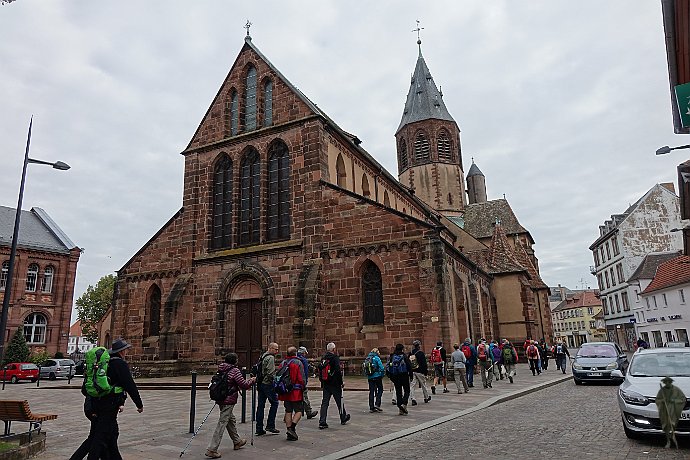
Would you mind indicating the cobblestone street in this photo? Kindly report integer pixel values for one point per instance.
(562, 421)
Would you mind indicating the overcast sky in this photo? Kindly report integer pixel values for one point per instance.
(562, 104)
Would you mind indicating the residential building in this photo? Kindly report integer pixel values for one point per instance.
(578, 319)
(43, 280)
(78, 343)
(665, 304)
(624, 241)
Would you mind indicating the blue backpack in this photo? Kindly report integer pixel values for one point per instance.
(396, 366)
(282, 383)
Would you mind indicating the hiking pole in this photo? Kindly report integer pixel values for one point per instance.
(197, 430)
(253, 411)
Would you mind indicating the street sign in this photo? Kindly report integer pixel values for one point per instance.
(683, 101)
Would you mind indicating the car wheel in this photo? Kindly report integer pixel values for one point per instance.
(33, 380)
(14, 379)
(577, 382)
(51, 376)
(630, 434)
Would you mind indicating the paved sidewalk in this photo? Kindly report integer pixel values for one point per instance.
(161, 431)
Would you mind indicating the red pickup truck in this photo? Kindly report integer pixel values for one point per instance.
(15, 372)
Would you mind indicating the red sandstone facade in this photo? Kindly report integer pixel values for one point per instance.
(182, 301)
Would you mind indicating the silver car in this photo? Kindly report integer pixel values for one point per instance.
(54, 368)
(638, 391)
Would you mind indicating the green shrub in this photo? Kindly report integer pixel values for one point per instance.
(17, 350)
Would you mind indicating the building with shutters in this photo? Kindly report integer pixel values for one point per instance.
(291, 232)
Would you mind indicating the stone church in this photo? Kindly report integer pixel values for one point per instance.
(290, 231)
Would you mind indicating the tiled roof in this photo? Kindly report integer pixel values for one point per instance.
(424, 100)
(501, 257)
(670, 273)
(647, 268)
(579, 300)
(481, 217)
(535, 279)
(36, 231)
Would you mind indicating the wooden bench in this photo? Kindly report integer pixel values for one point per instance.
(18, 411)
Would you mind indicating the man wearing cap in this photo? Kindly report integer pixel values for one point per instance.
(106, 408)
(419, 371)
(302, 355)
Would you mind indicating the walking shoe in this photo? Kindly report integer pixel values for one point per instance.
(260, 432)
(343, 421)
(393, 401)
(401, 411)
(414, 403)
(378, 409)
(292, 434)
(433, 390)
(489, 385)
(459, 392)
(485, 386)
(323, 426)
(467, 391)
(240, 444)
(471, 385)
(312, 414)
(427, 399)
(404, 408)
(212, 454)
(446, 390)
(510, 378)
(373, 411)
(272, 430)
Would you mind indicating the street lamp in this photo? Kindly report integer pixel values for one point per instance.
(15, 236)
(666, 149)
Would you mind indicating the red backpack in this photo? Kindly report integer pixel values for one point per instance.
(467, 351)
(532, 351)
(436, 356)
(481, 352)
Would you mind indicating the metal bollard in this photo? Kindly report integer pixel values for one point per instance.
(243, 418)
(4, 376)
(192, 405)
(38, 380)
(69, 376)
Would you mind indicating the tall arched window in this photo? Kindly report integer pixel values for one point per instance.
(421, 148)
(373, 294)
(250, 100)
(340, 171)
(278, 192)
(222, 204)
(268, 103)
(386, 199)
(3, 274)
(402, 155)
(234, 113)
(443, 146)
(365, 186)
(31, 277)
(250, 197)
(35, 328)
(153, 311)
(47, 281)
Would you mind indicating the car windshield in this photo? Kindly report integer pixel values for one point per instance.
(29, 367)
(660, 365)
(596, 351)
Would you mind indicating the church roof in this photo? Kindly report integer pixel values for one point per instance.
(481, 217)
(424, 100)
(535, 279)
(36, 231)
(501, 257)
(474, 171)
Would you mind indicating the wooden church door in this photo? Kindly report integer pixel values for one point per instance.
(248, 332)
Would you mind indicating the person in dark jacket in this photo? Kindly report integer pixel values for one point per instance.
(560, 351)
(293, 400)
(545, 354)
(302, 353)
(332, 386)
(471, 360)
(419, 371)
(226, 421)
(104, 410)
(400, 375)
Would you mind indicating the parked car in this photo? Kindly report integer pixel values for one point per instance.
(79, 367)
(14, 372)
(595, 361)
(637, 393)
(54, 368)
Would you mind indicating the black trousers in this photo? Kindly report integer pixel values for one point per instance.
(402, 389)
(337, 393)
(104, 431)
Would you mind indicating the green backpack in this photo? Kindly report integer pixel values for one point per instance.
(96, 382)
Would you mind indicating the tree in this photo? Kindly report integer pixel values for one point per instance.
(93, 304)
(17, 350)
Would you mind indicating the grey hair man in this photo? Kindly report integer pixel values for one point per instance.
(419, 372)
(332, 382)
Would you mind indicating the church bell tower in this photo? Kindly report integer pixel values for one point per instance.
(428, 145)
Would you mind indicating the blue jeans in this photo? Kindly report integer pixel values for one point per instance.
(375, 392)
(560, 362)
(470, 374)
(266, 392)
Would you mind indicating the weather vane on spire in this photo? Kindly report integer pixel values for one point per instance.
(247, 26)
(419, 40)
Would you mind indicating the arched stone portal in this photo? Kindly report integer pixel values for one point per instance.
(246, 299)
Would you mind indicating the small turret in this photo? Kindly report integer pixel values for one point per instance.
(476, 185)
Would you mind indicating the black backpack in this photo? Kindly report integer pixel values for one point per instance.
(218, 389)
(257, 369)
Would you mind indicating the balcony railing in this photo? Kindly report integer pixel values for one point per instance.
(593, 269)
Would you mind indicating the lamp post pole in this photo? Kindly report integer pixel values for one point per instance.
(15, 236)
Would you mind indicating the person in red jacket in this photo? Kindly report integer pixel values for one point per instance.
(293, 401)
(226, 420)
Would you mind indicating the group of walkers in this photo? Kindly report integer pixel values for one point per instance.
(538, 354)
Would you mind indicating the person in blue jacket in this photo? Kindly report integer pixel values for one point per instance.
(302, 355)
(375, 378)
(471, 360)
